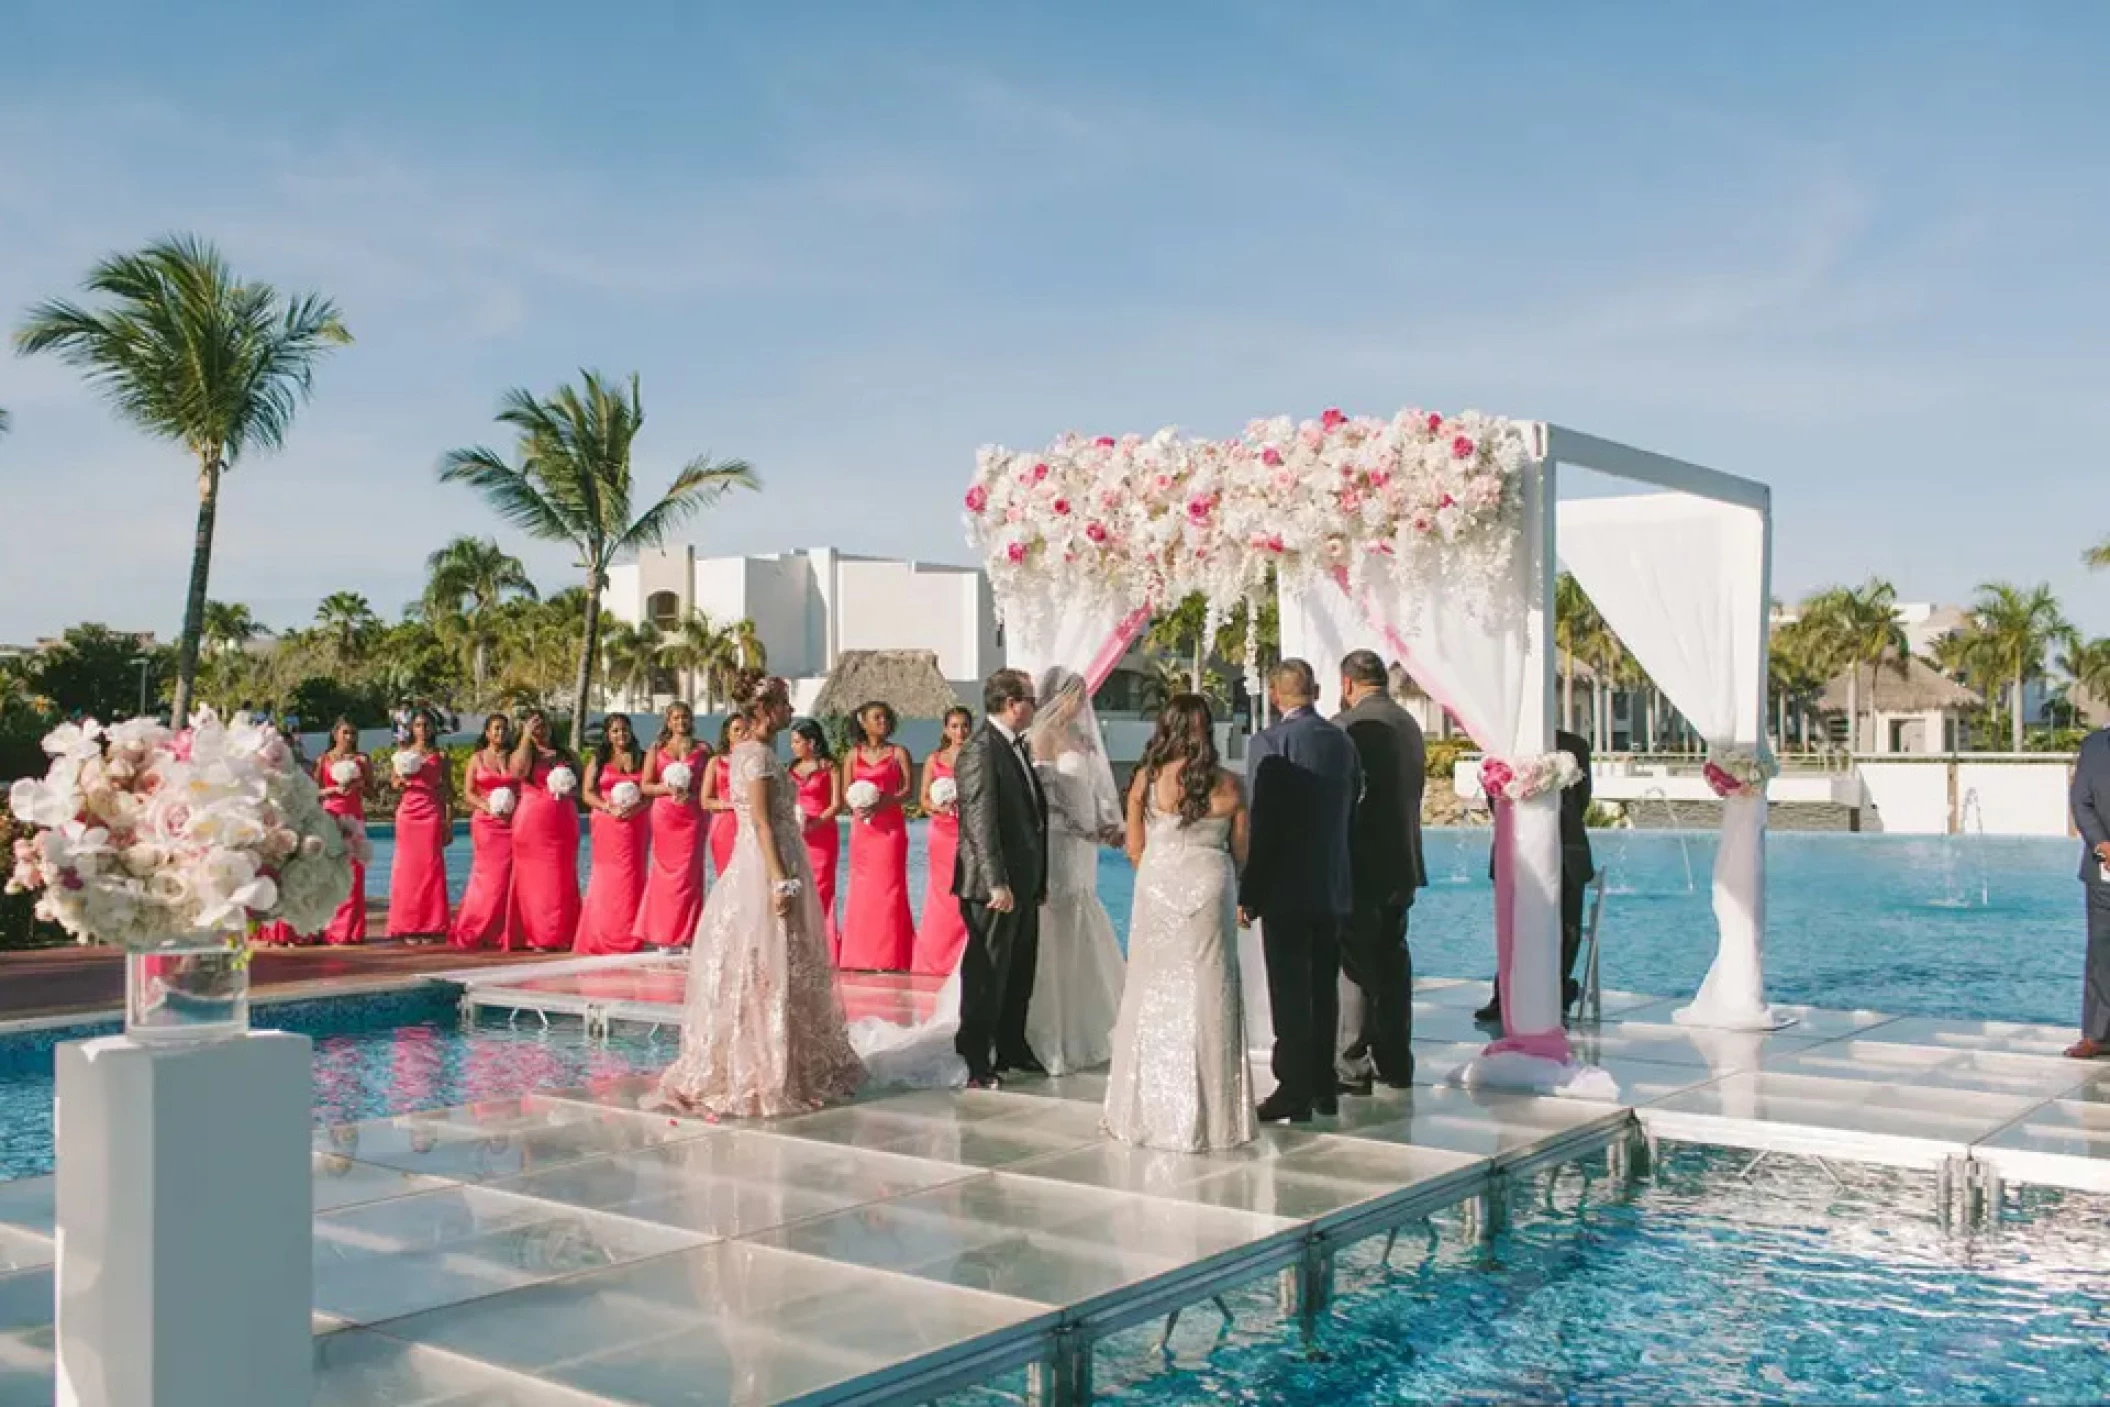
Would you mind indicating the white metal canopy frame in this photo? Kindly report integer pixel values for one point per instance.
(1682, 574)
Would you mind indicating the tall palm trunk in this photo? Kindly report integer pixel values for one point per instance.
(209, 471)
(588, 650)
(1195, 679)
(1853, 707)
(483, 667)
(2016, 716)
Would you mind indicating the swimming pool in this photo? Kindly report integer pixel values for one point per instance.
(1969, 927)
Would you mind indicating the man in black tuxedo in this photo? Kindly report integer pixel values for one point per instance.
(1385, 850)
(1001, 879)
(1305, 779)
(2091, 817)
(1578, 868)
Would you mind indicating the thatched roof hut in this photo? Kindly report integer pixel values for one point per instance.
(1910, 686)
(909, 680)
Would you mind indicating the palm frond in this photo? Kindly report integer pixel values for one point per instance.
(512, 491)
(700, 484)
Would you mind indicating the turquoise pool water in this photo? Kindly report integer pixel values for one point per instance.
(1912, 926)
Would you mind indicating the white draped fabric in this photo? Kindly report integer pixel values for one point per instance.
(1088, 639)
(1484, 676)
(1682, 581)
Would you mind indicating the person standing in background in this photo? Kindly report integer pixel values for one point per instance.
(2090, 801)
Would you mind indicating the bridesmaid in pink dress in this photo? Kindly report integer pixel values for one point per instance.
(417, 883)
(879, 928)
(718, 793)
(343, 775)
(942, 933)
(674, 878)
(545, 906)
(484, 918)
(820, 798)
(622, 841)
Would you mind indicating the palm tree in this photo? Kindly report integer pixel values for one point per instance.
(2097, 557)
(1184, 630)
(1852, 627)
(188, 353)
(347, 621)
(229, 626)
(630, 658)
(2086, 667)
(573, 484)
(465, 582)
(2012, 629)
(5, 423)
(1574, 620)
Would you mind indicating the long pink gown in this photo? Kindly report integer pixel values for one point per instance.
(879, 928)
(545, 907)
(417, 883)
(941, 935)
(674, 878)
(764, 1033)
(616, 886)
(824, 848)
(724, 825)
(348, 924)
(484, 919)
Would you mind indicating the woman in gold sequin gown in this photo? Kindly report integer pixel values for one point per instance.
(764, 1033)
(1179, 1078)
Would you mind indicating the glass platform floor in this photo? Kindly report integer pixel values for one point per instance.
(567, 1248)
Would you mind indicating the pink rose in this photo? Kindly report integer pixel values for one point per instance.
(1421, 525)
(1061, 507)
(1495, 776)
(1435, 422)
(1040, 472)
(1350, 500)
(1104, 442)
(1333, 420)
(1198, 508)
(1724, 785)
(1162, 483)
(1096, 532)
(1461, 448)
(180, 746)
(1380, 479)
(1016, 552)
(1446, 501)
(977, 499)
(1271, 457)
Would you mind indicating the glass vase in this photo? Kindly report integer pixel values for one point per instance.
(187, 993)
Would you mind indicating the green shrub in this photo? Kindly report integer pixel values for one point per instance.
(1444, 753)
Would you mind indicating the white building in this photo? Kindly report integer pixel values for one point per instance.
(809, 607)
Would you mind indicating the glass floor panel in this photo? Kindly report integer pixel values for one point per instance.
(1479, 1123)
(394, 1258)
(979, 1128)
(1029, 1238)
(729, 1322)
(1864, 1107)
(2012, 1036)
(502, 1138)
(734, 1182)
(359, 1368)
(1934, 1067)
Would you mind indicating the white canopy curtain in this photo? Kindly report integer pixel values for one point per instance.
(1682, 581)
(1087, 638)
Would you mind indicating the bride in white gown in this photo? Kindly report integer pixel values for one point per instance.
(1078, 976)
(1079, 973)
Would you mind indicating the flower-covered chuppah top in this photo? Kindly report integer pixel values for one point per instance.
(149, 838)
(1143, 522)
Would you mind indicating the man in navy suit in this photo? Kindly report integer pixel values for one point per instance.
(2091, 817)
(1304, 779)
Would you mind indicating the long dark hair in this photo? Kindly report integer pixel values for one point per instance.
(556, 745)
(816, 737)
(605, 753)
(1186, 738)
(886, 712)
(505, 738)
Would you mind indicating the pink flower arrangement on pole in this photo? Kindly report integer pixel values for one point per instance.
(1522, 778)
(1414, 497)
(148, 838)
(1739, 771)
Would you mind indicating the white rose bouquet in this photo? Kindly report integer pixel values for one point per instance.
(862, 796)
(149, 838)
(625, 796)
(562, 781)
(501, 801)
(945, 792)
(678, 776)
(407, 763)
(344, 772)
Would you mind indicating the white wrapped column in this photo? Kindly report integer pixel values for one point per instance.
(185, 1223)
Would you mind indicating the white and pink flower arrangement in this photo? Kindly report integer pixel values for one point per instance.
(502, 800)
(679, 776)
(862, 797)
(148, 838)
(562, 781)
(1739, 771)
(1523, 778)
(1139, 521)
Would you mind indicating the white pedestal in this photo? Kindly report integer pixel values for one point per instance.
(185, 1224)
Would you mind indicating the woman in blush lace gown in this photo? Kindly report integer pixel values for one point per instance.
(1078, 975)
(764, 1032)
(1179, 1079)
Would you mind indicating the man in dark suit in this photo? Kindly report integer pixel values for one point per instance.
(1305, 780)
(1001, 878)
(1578, 868)
(2091, 817)
(1386, 862)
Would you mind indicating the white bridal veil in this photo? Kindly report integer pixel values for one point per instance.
(1065, 735)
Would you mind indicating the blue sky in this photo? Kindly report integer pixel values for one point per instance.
(1856, 251)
